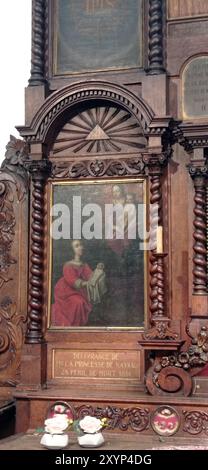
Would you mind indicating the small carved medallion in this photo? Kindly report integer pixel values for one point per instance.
(165, 421)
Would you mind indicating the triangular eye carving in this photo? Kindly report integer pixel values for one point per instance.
(97, 134)
(101, 129)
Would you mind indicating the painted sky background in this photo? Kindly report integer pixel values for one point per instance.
(15, 45)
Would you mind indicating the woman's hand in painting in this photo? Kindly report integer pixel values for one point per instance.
(79, 283)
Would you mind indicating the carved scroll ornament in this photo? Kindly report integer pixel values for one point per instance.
(173, 374)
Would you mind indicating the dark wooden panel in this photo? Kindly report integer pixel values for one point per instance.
(97, 35)
(187, 8)
(185, 40)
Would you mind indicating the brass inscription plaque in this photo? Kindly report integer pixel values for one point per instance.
(97, 35)
(187, 8)
(195, 89)
(95, 364)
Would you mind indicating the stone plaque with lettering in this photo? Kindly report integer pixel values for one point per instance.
(195, 89)
(69, 364)
(97, 35)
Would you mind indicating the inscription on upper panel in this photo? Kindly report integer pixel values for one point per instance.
(97, 35)
(195, 89)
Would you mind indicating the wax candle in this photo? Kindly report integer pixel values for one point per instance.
(159, 239)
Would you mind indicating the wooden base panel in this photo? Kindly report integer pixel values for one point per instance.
(129, 412)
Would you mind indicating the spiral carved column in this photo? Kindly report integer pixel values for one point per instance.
(39, 171)
(38, 43)
(160, 322)
(155, 220)
(156, 54)
(199, 176)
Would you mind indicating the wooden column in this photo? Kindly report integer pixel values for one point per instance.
(199, 174)
(38, 43)
(159, 320)
(156, 54)
(39, 171)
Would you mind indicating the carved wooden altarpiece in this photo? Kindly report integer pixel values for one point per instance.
(117, 124)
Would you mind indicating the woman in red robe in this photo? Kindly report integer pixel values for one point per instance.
(72, 307)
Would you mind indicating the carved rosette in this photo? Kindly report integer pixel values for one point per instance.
(195, 422)
(123, 419)
(156, 55)
(199, 176)
(38, 43)
(39, 171)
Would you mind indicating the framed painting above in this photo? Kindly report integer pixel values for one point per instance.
(97, 259)
(93, 35)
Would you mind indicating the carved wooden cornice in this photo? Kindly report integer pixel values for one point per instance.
(193, 135)
(72, 95)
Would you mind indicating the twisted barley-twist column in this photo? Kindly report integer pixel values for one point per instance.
(200, 232)
(39, 172)
(156, 56)
(155, 220)
(160, 286)
(37, 76)
(207, 231)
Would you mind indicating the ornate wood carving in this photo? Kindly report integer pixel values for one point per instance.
(156, 54)
(11, 340)
(195, 422)
(122, 419)
(199, 175)
(39, 171)
(101, 129)
(173, 374)
(37, 76)
(13, 176)
(98, 168)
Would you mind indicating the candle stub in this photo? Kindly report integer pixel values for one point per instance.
(159, 239)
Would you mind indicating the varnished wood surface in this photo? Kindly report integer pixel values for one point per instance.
(112, 442)
(99, 394)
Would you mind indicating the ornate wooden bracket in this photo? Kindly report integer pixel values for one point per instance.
(37, 76)
(156, 55)
(173, 373)
(39, 171)
(199, 174)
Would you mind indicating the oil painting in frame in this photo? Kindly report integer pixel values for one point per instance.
(99, 282)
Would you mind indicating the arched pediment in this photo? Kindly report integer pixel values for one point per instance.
(46, 122)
